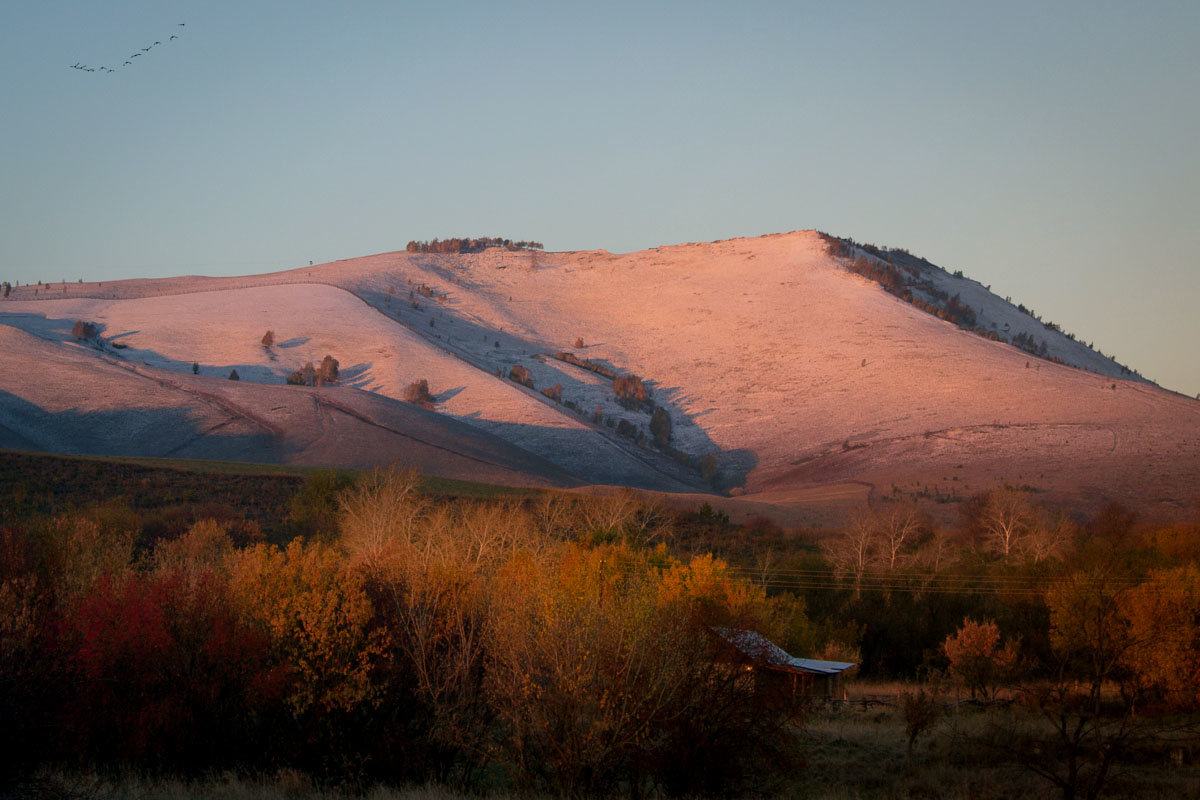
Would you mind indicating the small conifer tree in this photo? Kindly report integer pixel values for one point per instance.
(660, 427)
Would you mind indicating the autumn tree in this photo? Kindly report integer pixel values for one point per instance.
(596, 675)
(83, 330)
(325, 644)
(1085, 706)
(1164, 626)
(165, 671)
(305, 376)
(630, 391)
(978, 660)
(328, 371)
(521, 374)
(417, 394)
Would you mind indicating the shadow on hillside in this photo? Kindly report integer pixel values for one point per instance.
(156, 432)
(59, 330)
(442, 397)
(52, 329)
(357, 376)
(595, 453)
(490, 350)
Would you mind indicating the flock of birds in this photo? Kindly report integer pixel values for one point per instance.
(129, 61)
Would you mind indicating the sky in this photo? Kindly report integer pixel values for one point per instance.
(1045, 149)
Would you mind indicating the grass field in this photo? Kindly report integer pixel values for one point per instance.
(849, 753)
(43, 483)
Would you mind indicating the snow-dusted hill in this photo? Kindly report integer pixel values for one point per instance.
(806, 381)
(66, 398)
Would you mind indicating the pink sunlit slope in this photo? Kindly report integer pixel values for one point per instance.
(811, 385)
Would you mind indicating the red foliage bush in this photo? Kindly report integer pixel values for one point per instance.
(164, 672)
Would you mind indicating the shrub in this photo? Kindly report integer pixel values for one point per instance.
(233, 376)
(579, 343)
(162, 665)
(554, 392)
(268, 339)
(83, 330)
(921, 711)
(418, 394)
(589, 365)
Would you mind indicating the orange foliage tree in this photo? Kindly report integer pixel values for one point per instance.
(978, 660)
(1164, 627)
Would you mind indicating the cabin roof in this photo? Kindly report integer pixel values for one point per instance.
(764, 652)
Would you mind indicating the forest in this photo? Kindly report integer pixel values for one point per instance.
(375, 628)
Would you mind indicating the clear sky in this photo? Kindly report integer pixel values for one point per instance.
(1047, 149)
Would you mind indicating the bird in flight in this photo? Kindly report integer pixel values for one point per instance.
(129, 61)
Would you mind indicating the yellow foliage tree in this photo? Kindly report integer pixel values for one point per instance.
(319, 619)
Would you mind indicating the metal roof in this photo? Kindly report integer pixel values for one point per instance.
(761, 649)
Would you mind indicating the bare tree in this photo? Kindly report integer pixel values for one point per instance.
(1006, 519)
(897, 531)
(854, 551)
(1049, 535)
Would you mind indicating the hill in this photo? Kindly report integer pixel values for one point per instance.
(811, 384)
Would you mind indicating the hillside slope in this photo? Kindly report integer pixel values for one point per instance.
(62, 398)
(805, 380)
